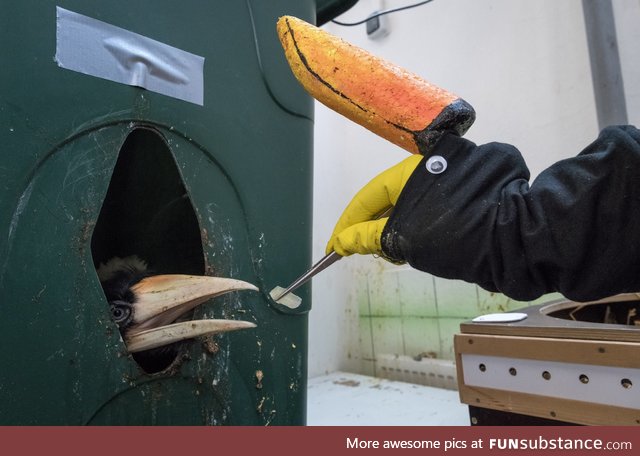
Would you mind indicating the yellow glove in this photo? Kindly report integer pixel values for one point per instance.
(358, 230)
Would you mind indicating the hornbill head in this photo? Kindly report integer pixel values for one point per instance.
(148, 308)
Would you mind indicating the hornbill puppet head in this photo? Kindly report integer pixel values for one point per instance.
(148, 308)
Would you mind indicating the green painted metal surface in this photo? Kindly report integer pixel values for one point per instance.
(243, 163)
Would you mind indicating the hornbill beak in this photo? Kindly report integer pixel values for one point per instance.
(160, 300)
(147, 308)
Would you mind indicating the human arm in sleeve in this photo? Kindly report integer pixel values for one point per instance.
(574, 230)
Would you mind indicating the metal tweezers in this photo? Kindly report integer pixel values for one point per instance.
(320, 266)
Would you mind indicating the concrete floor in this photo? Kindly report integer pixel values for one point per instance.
(345, 399)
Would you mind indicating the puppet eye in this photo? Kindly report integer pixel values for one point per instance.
(436, 164)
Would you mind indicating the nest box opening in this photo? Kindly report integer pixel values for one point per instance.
(147, 213)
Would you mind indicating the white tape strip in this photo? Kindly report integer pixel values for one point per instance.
(105, 51)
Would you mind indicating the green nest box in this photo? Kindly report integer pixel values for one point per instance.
(199, 170)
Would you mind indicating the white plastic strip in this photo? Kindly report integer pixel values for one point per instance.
(581, 382)
(105, 51)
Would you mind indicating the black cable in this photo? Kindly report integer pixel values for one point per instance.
(381, 13)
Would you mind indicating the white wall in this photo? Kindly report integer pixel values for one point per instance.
(627, 17)
(523, 65)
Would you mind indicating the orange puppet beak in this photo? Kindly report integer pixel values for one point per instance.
(382, 97)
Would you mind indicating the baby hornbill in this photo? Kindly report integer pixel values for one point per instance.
(147, 308)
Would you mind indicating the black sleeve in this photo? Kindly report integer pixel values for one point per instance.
(574, 230)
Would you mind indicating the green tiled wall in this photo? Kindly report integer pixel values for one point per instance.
(407, 312)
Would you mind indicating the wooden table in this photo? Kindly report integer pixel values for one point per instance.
(555, 366)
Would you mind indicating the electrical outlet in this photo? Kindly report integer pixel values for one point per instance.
(377, 26)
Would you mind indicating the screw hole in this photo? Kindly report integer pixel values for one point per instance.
(546, 375)
(626, 383)
(513, 371)
(584, 379)
(482, 368)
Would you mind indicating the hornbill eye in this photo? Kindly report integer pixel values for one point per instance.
(121, 313)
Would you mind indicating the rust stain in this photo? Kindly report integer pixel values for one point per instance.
(210, 345)
(260, 404)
